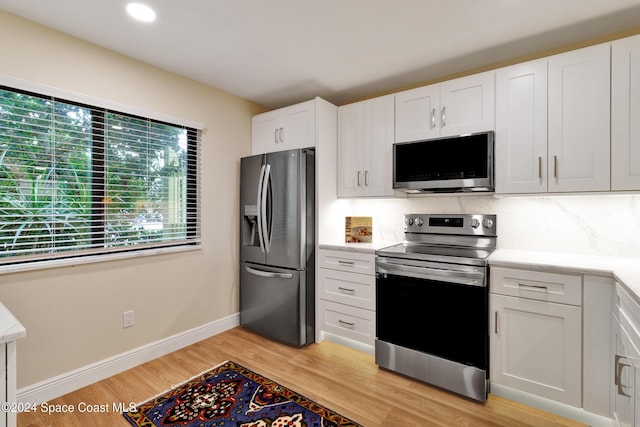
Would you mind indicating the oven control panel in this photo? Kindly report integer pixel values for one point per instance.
(462, 224)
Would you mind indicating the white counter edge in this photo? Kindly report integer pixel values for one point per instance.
(10, 328)
(626, 271)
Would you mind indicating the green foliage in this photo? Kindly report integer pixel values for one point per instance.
(50, 199)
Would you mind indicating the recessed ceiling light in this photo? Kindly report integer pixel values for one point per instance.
(141, 12)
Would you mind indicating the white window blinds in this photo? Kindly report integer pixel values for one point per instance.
(78, 180)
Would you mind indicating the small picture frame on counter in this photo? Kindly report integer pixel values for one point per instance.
(358, 229)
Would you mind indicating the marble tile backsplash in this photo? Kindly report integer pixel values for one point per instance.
(607, 224)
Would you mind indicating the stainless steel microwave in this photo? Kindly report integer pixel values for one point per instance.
(445, 165)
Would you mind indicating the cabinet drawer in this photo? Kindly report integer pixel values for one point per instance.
(349, 322)
(353, 262)
(551, 287)
(347, 288)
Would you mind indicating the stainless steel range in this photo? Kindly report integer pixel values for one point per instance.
(432, 302)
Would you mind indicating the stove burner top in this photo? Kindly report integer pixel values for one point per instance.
(426, 252)
(459, 239)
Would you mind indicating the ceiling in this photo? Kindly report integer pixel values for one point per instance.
(278, 52)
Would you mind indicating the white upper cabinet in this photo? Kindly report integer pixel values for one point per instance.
(553, 123)
(468, 104)
(579, 120)
(365, 143)
(625, 114)
(521, 128)
(454, 107)
(416, 114)
(284, 129)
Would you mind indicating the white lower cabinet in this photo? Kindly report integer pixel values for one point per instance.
(536, 342)
(8, 381)
(346, 295)
(348, 321)
(12, 330)
(626, 359)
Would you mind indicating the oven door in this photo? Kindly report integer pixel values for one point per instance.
(440, 311)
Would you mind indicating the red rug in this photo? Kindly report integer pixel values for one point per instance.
(232, 395)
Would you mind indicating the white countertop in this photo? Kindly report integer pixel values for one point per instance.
(10, 328)
(365, 248)
(624, 270)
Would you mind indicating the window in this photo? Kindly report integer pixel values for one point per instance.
(78, 180)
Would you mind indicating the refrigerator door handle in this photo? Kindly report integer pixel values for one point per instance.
(263, 208)
(269, 274)
(259, 215)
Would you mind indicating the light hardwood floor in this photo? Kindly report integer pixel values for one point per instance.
(340, 378)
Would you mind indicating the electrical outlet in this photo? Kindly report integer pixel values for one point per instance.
(127, 319)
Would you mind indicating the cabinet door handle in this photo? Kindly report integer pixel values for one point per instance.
(366, 178)
(281, 134)
(275, 136)
(350, 324)
(359, 185)
(346, 289)
(495, 322)
(433, 118)
(444, 117)
(619, 366)
(555, 166)
(540, 167)
(343, 262)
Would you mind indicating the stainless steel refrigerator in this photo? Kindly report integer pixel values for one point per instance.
(277, 243)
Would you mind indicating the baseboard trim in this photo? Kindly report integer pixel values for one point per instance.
(346, 342)
(89, 374)
(567, 411)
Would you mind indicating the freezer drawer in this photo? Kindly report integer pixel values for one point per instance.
(277, 303)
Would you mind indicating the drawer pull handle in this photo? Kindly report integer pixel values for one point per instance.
(343, 262)
(538, 288)
(346, 289)
(349, 324)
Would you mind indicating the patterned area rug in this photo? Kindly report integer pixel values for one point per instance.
(232, 395)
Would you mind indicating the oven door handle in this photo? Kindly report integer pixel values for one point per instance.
(441, 275)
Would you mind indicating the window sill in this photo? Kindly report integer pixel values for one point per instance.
(71, 262)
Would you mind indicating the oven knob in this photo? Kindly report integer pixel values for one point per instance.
(475, 223)
(419, 222)
(487, 223)
(409, 221)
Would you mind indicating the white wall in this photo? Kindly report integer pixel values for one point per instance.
(73, 315)
(605, 224)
